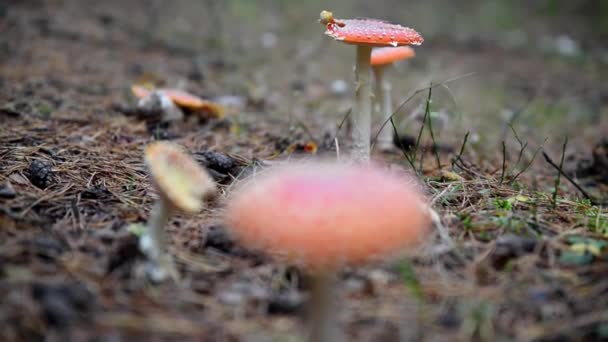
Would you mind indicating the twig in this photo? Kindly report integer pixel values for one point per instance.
(428, 109)
(522, 148)
(44, 198)
(409, 98)
(529, 164)
(504, 161)
(426, 113)
(559, 174)
(462, 147)
(402, 148)
(516, 135)
(421, 163)
(578, 187)
(520, 155)
(342, 122)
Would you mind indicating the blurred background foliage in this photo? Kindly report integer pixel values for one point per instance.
(539, 65)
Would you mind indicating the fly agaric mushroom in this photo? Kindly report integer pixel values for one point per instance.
(366, 34)
(325, 215)
(382, 58)
(182, 185)
(184, 100)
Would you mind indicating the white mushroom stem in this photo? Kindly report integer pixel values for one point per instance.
(154, 241)
(362, 113)
(322, 309)
(383, 96)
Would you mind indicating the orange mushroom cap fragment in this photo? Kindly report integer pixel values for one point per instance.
(371, 32)
(389, 55)
(324, 215)
(177, 177)
(183, 99)
(140, 91)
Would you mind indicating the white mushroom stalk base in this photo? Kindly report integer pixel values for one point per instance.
(153, 243)
(362, 113)
(383, 96)
(322, 309)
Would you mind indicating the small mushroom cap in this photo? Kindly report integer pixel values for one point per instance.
(324, 215)
(177, 177)
(183, 99)
(371, 32)
(389, 55)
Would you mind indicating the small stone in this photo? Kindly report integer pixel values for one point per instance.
(566, 46)
(285, 303)
(232, 297)
(97, 191)
(358, 285)
(258, 292)
(297, 85)
(380, 278)
(7, 191)
(218, 161)
(339, 87)
(218, 238)
(268, 40)
(448, 317)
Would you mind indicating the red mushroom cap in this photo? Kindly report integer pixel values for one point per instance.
(389, 55)
(324, 215)
(372, 32)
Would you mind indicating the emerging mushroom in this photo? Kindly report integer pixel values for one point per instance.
(322, 216)
(366, 33)
(157, 104)
(381, 59)
(182, 185)
(184, 100)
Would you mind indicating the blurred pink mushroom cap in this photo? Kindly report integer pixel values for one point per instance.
(325, 215)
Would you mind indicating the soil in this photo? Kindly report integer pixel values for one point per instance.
(525, 254)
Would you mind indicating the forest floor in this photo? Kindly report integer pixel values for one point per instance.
(527, 254)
